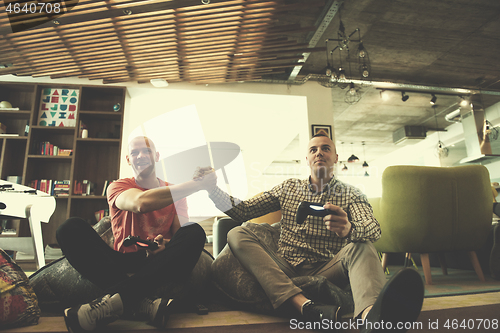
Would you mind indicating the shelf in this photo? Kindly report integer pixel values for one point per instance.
(105, 114)
(87, 197)
(98, 140)
(21, 114)
(96, 158)
(53, 128)
(56, 157)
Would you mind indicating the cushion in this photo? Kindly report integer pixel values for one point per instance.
(58, 285)
(243, 290)
(18, 302)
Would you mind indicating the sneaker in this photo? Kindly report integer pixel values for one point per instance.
(317, 311)
(495, 253)
(399, 301)
(156, 311)
(99, 312)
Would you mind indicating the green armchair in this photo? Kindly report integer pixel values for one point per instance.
(434, 210)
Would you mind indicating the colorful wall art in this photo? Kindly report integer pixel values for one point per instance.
(58, 107)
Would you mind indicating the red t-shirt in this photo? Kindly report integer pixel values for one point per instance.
(125, 223)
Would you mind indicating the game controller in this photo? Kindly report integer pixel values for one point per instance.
(145, 244)
(310, 208)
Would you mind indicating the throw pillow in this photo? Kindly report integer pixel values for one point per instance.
(18, 302)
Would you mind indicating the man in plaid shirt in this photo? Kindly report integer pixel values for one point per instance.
(338, 246)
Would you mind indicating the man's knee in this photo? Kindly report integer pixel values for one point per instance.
(362, 249)
(235, 237)
(194, 233)
(71, 228)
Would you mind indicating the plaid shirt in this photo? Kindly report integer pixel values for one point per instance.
(311, 241)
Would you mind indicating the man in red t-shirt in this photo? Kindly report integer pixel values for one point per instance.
(143, 206)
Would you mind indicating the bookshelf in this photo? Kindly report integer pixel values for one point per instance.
(95, 158)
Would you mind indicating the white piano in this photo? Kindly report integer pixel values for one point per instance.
(19, 202)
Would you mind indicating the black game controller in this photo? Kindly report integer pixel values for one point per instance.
(310, 208)
(145, 244)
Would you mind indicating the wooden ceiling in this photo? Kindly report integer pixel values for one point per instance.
(447, 43)
(140, 40)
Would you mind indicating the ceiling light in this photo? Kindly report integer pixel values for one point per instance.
(433, 99)
(342, 74)
(365, 165)
(463, 102)
(404, 97)
(352, 159)
(159, 83)
(328, 71)
(361, 51)
(364, 71)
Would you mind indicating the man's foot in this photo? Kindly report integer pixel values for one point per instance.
(156, 311)
(398, 304)
(99, 312)
(317, 312)
(495, 253)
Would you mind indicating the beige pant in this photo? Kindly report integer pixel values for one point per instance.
(357, 264)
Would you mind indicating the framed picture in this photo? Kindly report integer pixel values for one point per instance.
(322, 129)
(58, 107)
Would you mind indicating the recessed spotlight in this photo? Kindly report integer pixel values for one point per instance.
(463, 102)
(159, 83)
(384, 95)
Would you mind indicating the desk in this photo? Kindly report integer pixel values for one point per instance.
(36, 208)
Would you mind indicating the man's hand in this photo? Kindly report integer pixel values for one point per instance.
(207, 178)
(200, 172)
(161, 245)
(337, 222)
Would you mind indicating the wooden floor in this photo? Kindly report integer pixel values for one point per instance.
(224, 318)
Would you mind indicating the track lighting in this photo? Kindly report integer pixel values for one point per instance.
(433, 99)
(345, 168)
(404, 97)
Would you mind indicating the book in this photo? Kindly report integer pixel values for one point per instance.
(105, 187)
(14, 179)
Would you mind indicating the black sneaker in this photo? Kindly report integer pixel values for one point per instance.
(88, 317)
(317, 312)
(398, 304)
(495, 253)
(155, 310)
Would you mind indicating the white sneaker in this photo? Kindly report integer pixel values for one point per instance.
(99, 312)
(156, 311)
